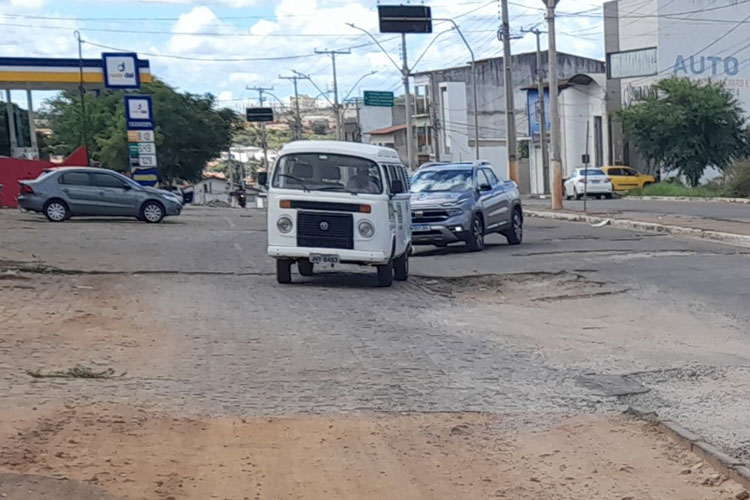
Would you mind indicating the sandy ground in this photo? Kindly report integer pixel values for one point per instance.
(120, 452)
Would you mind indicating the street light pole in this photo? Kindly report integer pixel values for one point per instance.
(556, 163)
(510, 114)
(542, 115)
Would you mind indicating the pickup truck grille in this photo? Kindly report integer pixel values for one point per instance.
(428, 216)
(325, 230)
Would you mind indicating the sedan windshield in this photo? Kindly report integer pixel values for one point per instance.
(442, 181)
(327, 172)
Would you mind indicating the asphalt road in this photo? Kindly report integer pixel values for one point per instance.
(720, 212)
(576, 320)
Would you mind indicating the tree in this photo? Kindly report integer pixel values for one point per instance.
(687, 126)
(189, 131)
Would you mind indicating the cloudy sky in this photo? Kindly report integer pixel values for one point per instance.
(222, 46)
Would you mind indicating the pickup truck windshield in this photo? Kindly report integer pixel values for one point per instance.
(328, 172)
(441, 181)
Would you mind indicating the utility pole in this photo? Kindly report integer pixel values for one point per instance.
(264, 137)
(510, 114)
(542, 116)
(82, 93)
(298, 117)
(405, 73)
(556, 163)
(336, 106)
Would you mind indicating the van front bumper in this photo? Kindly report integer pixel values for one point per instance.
(345, 256)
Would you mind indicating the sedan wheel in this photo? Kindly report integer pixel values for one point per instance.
(56, 211)
(153, 213)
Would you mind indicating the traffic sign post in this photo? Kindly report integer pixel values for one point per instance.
(259, 114)
(139, 119)
(378, 98)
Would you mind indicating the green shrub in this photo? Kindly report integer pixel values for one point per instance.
(738, 179)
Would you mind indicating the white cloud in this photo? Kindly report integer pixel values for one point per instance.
(28, 4)
(225, 3)
(225, 95)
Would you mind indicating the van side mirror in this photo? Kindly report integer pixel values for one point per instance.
(263, 178)
(397, 187)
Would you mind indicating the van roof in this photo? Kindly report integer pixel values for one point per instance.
(369, 151)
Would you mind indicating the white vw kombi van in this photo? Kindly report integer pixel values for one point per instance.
(333, 202)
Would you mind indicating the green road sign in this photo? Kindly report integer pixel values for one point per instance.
(378, 98)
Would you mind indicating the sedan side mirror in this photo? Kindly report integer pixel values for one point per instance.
(127, 187)
(397, 187)
(263, 178)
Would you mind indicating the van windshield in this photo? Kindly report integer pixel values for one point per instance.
(327, 172)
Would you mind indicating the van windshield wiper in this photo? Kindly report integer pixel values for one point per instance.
(295, 178)
(336, 188)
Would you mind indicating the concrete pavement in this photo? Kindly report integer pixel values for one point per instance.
(556, 326)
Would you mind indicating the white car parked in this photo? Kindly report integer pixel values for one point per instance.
(592, 182)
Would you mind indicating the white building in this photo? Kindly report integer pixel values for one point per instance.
(583, 110)
(649, 40)
(212, 188)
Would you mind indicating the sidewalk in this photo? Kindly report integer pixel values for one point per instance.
(706, 220)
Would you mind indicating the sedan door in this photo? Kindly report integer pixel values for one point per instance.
(78, 192)
(114, 196)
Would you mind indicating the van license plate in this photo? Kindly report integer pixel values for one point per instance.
(324, 259)
(420, 228)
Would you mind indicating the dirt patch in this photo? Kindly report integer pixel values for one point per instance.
(140, 454)
(521, 288)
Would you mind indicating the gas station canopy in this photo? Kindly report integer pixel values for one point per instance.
(23, 73)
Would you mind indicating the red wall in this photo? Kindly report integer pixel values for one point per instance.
(13, 170)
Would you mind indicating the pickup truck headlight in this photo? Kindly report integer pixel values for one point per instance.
(454, 212)
(284, 225)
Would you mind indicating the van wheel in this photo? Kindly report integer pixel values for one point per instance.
(385, 275)
(305, 267)
(284, 271)
(401, 267)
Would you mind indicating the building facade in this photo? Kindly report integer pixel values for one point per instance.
(445, 108)
(649, 40)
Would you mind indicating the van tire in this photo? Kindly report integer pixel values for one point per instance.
(385, 275)
(305, 267)
(284, 271)
(401, 267)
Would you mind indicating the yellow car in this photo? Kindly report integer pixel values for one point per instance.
(626, 178)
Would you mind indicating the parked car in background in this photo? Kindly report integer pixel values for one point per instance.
(592, 181)
(463, 202)
(626, 178)
(66, 192)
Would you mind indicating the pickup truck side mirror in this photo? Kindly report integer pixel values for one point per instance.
(263, 178)
(397, 187)
(485, 187)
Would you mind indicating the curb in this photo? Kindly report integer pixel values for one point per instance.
(743, 201)
(635, 225)
(735, 469)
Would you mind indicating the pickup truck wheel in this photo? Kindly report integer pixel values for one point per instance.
(385, 275)
(514, 235)
(305, 267)
(401, 267)
(284, 271)
(476, 238)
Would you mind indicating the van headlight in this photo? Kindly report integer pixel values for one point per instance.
(284, 225)
(366, 229)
